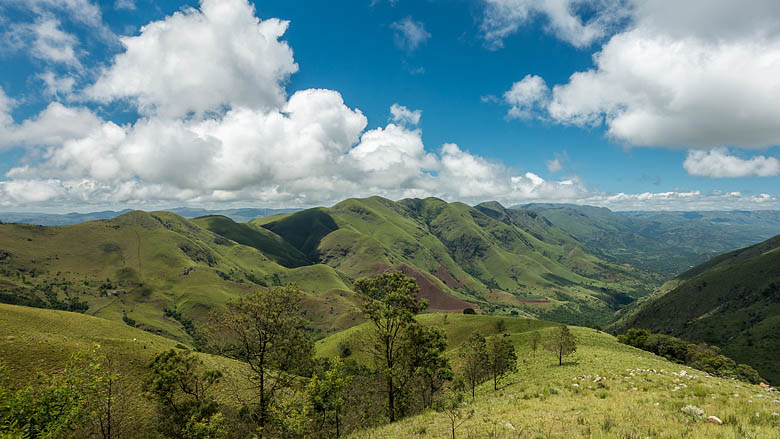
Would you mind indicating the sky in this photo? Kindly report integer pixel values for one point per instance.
(628, 104)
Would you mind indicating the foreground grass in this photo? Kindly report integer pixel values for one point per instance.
(39, 340)
(605, 390)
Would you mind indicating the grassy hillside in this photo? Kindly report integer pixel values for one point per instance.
(664, 242)
(604, 390)
(501, 260)
(133, 266)
(43, 340)
(269, 243)
(732, 301)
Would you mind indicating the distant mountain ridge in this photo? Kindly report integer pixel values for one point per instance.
(660, 241)
(731, 301)
(66, 219)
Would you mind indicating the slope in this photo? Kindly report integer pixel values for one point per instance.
(732, 301)
(43, 340)
(501, 260)
(604, 390)
(133, 266)
(664, 242)
(269, 243)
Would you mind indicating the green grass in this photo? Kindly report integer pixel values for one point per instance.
(151, 261)
(634, 398)
(732, 301)
(267, 242)
(43, 340)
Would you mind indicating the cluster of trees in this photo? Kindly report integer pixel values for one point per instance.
(285, 391)
(700, 356)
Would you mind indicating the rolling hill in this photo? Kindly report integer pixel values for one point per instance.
(605, 390)
(134, 266)
(499, 259)
(663, 242)
(731, 301)
(43, 340)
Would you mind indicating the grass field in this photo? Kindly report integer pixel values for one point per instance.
(604, 390)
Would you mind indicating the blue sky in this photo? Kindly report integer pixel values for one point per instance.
(288, 103)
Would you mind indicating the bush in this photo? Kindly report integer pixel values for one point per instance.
(469, 311)
(701, 356)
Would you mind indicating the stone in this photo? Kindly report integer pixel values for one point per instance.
(714, 420)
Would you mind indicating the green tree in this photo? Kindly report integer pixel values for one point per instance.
(180, 389)
(500, 326)
(327, 392)
(453, 406)
(536, 340)
(425, 353)
(390, 302)
(561, 342)
(265, 330)
(53, 406)
(475, 358)
(502, 359)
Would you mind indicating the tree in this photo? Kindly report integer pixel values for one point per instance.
(475, 357)
(501, 359)
(561, 343)
(52, 406)
(326, 393)
(453, 406)
(265, 331)
(180, 388)
(425, 353)
(536, 340)
(390, 302)
(500, 326)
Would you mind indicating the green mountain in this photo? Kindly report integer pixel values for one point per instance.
(501, 260)
(732, 301)
(662, 242)
(133, 266)
(67, 219)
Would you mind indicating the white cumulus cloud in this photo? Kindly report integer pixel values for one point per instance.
(718, 163)
(699, 74)
(525, 96)
(197, 61)
(563, 18)
(403, 115)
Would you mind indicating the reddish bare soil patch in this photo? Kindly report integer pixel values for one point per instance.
(437, 298)
(446, 277)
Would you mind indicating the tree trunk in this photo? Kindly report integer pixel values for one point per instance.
(391, 399)
(263, 402)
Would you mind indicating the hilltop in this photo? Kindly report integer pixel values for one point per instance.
(499, 259)
(732, 301)
(136, 265)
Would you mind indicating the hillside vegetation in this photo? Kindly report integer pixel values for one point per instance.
(40, 340)
(732, 301)
(604, 390)
(134, 266)
(663, 242)
(501, 260)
